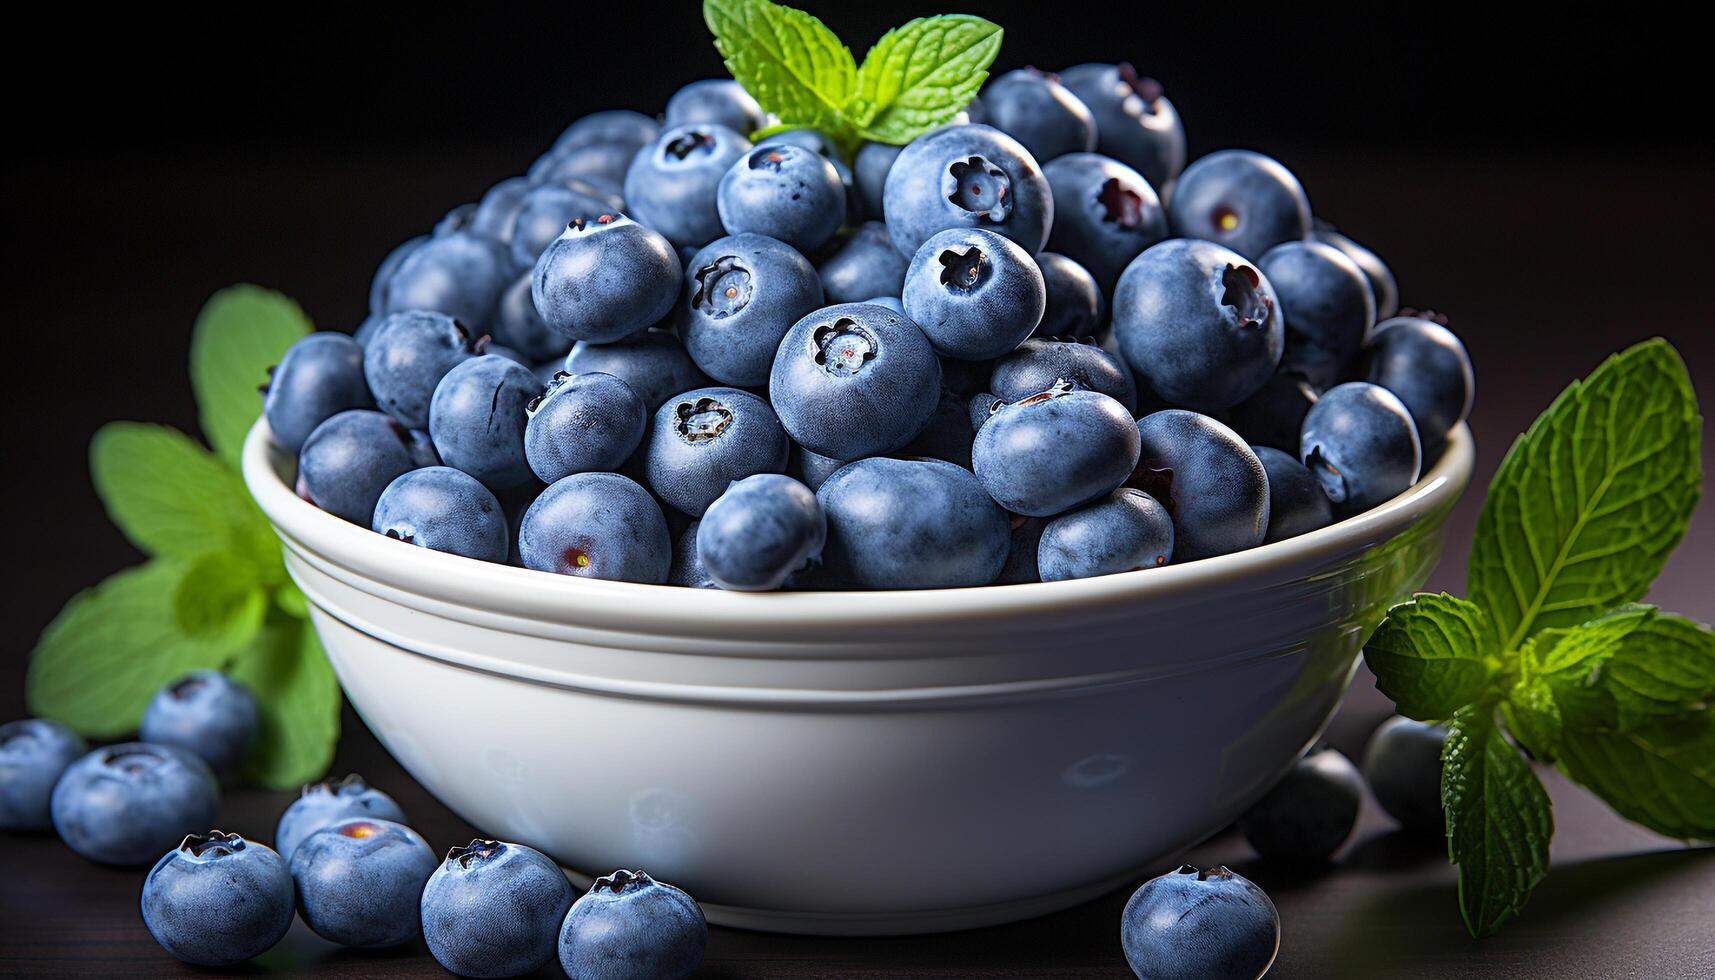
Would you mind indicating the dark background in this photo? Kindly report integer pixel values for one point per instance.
(1545, 180)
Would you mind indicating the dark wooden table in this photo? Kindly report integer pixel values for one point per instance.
(1546, 264)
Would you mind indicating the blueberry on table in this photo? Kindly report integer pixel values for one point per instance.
(1198, 323)
(742, 293)
(33, 754)
(869, 176)
(654, 363)
(865, 265)
(673, 184)
(348, 461)
(126, 804)
(1038, 364)
(1199, 925)
(717, 101)
(205, 713)
(1135, 123)
(606, 279)
(583, 423)
(1296, 503)
(218, 899)
(687, 569)
(975, 294)
(1105, 214)
(318, 377)
(783, 191)
(1241, 199)
(629, 926)
(1074, 299)
(1274, 414)
(1125, 531)
(494, 909)
(1426, 366)
(384, 273)
(597, 525)
(1033, 108)
(1360, 443)
(1402, 764)
(854, 380)
(1382, 284)
(1211, 483)
(760, 531)
(1327, 304)
(360, 882)
(461, 275)
(409, 355)
(443, 509)
(321, 805)
(547, 210)
(911, 524)
(967, 177)
(1309, 813)
(1054, 450)
(706, 438)
(497, 211)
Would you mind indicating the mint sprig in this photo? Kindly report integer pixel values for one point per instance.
(915, 78)
(213, 594)
(1551, 652)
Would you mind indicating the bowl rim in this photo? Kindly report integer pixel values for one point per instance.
(406, 570)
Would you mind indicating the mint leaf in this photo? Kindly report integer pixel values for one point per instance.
(1661, 775)
(1499, 820)
(289, 599)
(1590, 501)
(172, 498)
(220, 599)
(111, 648)
(241, 332)
(921, 75)
(1433, 655)
(787, 60)
(299, 701)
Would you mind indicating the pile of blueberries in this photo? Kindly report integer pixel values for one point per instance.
(1023, 347)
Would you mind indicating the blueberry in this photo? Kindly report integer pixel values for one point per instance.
(1199, 925)
(1382, 284)
(126, 804)
(33, 754)
(205, 713)
(869, 175)
(1274, 413)
(360, 882)
(1198, 323)
(911, 524)
(1402, 764)
(455, 221)
(760, 531)
(893, 303)
(547, 210)
(1241, 199)
(318, 376)
(811, 469)
(1124, 531)
(865, 265)
(1054, 450)
(629, 926)
(974, 293)
(604, 280)
(461, 275)
(785, 192)
(1033, 107)
(366, 329)
(331, 801)
(518, 326)
(494, 909)
(1105, 214)
(218, 899)
(443, 509)
(597, 525)
(1038, 364)
(654, 363)
(706, 438)
(350, 459)
(1074, 298)
(967, 177)
(1021, 565)
(1208, 479)
(673, 183)
(599, 166)
(478, 416)
(717, 101)
(948, 436)
(742, 294)
(854, 380)
(1326, 303)
(982, 407)
(1309, 813)
(1296, 503)
(687, 569)
(407, 358)
(1135, 124)
(583, 423)
(384, 273)
(610, 126)
(497, 212)
(1424, 364)
(1359, 442)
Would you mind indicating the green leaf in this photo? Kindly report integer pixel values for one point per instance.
(1591, 500)
(289, 599)
(787, 60)
(220, 598)
(111, 648)
(1661, 775)
(299, 699)
(1499, 820)
(1433, 655)
(922, 74)
(1630, 667)
(172, 498)
(241, 332)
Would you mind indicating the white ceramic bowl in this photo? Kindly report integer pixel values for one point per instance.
(855, 762)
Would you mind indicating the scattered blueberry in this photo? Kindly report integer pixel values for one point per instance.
(583, 423)
(704, 439)
(317, 378)
(1105, 214)
(1033, 107)
(963, 177)
(443, 509)
(1359, 442)
(716, 101)
(1054, 450)
(742, 293)
(975, 294)
(348, 461)
(218, 899)
(783, 191)
(1074, 298)
(1199, 925)
(321, 805)
(126, 804)
(461, 275)
(1208, 479)
(360, 882)
(629, 926)
(760, 531)
(1038, 364)
(205, 713)
(865, 265)
(654, 363)
(1296, 503)
(1125, 531)
(1241, 199)
(33, 754)
(494, 909)
(1309, 813)
(1326, 303)
(911, 524)
(1426, 366)
(597, 525)
(1402, 764)
(672, 184)
(606, 279)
